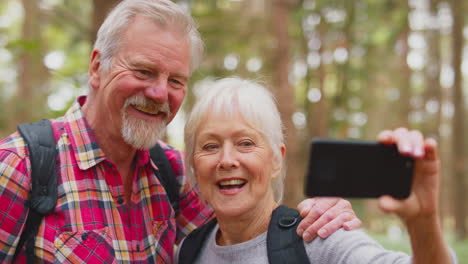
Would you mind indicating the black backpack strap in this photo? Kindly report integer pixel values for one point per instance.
(193, 243)
(166, 176)
(39, 138)
(283, 243)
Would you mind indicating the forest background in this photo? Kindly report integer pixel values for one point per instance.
(339, 68)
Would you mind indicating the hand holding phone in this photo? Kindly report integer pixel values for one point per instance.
(357, 169)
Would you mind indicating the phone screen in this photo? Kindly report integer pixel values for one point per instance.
(357, 169)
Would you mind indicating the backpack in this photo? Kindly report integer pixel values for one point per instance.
(40, 140)
(283, 243)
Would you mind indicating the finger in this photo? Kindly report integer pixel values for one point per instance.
(353, 224)
(390, 205)
(314, 212)
(335, 224)
(417, 142)
(403, 140)
(342, 207)
(306, 224)
(430, 147)
(386, 137)
(320, 206)
(316, 206)
(305, 206)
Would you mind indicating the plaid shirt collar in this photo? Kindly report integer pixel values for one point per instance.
(84, 143)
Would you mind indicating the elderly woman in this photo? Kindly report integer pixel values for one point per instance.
(235, 150)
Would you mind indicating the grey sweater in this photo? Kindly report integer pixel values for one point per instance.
(343, 247)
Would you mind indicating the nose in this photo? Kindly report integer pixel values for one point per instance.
(158, 90)
(228, 158)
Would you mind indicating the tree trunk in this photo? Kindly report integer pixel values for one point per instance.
(317, 113)
(405, 73)
(286, 100)
(343, 70)
(320, 113)
(101, 9)
(459, 158)
(29, 101)
(432, 76)
(434, 95)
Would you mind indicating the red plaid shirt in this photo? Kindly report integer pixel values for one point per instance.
(91, 224)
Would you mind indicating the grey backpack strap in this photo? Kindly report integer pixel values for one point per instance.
(39, 138)
(283, 243)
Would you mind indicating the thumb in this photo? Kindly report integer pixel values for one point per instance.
(390, 205)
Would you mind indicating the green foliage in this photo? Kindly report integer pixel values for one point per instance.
(21, 45)
(461, 249)
(380, 37)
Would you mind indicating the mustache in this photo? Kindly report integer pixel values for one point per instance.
(142, 101)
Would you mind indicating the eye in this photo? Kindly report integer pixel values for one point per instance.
(177, 83)
(142, 74)
(210, 147)
(246, 143)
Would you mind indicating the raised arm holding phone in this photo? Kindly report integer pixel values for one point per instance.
(419, 212)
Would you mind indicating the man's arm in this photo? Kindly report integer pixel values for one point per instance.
(323, 216)
(193, 211)
(14, 192)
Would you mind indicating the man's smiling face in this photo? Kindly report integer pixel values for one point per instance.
(146, 83)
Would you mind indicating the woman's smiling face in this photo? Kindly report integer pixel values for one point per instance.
(233, 165)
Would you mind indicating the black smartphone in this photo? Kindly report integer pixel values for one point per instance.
(357, 169)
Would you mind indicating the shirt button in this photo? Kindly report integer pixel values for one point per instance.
(120, 200)
(84, 236)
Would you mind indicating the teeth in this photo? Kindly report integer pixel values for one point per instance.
(232, 182)
(149, 110)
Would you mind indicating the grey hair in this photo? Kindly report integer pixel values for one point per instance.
(255, 104)
(164, 12)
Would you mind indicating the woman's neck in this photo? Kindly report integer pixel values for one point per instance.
(235, 230)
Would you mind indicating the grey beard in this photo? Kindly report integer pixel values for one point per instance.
(141, 134)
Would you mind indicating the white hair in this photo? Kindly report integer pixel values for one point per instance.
(163, 12)
(254, 103)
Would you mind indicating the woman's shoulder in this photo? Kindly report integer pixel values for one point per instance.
(350, 247)
(336, 245)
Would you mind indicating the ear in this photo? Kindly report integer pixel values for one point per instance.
(278, 163)
(192, 167)
(283, 151)
(94, 69)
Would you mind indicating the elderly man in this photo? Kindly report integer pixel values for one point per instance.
(111, 207)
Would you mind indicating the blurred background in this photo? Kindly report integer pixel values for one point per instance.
(339, 68)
